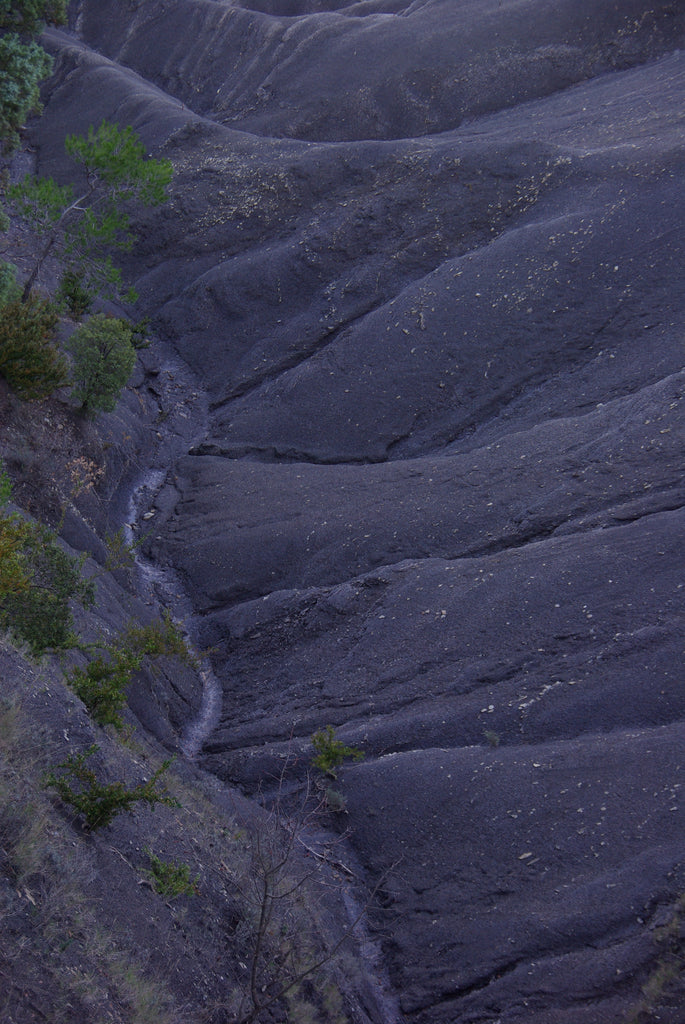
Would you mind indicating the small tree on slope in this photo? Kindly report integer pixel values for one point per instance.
(83, 229)
(104, 357)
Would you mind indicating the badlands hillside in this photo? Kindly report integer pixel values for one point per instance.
(419, 305)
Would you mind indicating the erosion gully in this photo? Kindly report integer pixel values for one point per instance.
(163, 586)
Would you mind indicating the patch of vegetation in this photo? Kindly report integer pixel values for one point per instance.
(29, 16)
(23, 66)
(30, 361)
(491, 737)
(102, 684)
(5, 487)
(99, 803)
(13, 575)
(10, 289)
(38, 580)
(72, 294)
(171, 879)
(331, 752)
(158, 640)
(23, 63)
(335, 800)
(104, 358)
(120, 554)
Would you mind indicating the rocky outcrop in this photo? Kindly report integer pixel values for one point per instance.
(427, 260)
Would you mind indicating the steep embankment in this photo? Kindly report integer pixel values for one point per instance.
(427, 261)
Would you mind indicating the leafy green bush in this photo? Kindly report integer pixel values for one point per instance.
(102, 684)
(100, 803)
(23, 66)
(158, 640)
(29, 359)
(171, 879)
(38, 579)
(330, 752)
(104, 358)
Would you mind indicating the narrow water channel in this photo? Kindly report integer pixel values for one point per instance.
(164, 586)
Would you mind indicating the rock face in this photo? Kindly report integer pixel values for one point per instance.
(426, 261)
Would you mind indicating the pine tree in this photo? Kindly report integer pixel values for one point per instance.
(83, 229)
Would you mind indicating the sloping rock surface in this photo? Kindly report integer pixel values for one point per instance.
(427, 261)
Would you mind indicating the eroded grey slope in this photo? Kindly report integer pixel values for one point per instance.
(377, 69)
(435, 294)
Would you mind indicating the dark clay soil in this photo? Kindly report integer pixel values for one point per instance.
(426, 262)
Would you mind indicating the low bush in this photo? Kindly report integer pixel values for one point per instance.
(30, 361)
(39, 580)
(102, 684)
(159, 639)
(171, 879)
(99, 803)
(330, 752)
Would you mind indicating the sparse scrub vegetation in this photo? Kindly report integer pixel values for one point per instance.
(99, 803)
(277, 893)
(56, 943)
(331, 753)
(102, 684)
(171, 879)
(668, 973)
